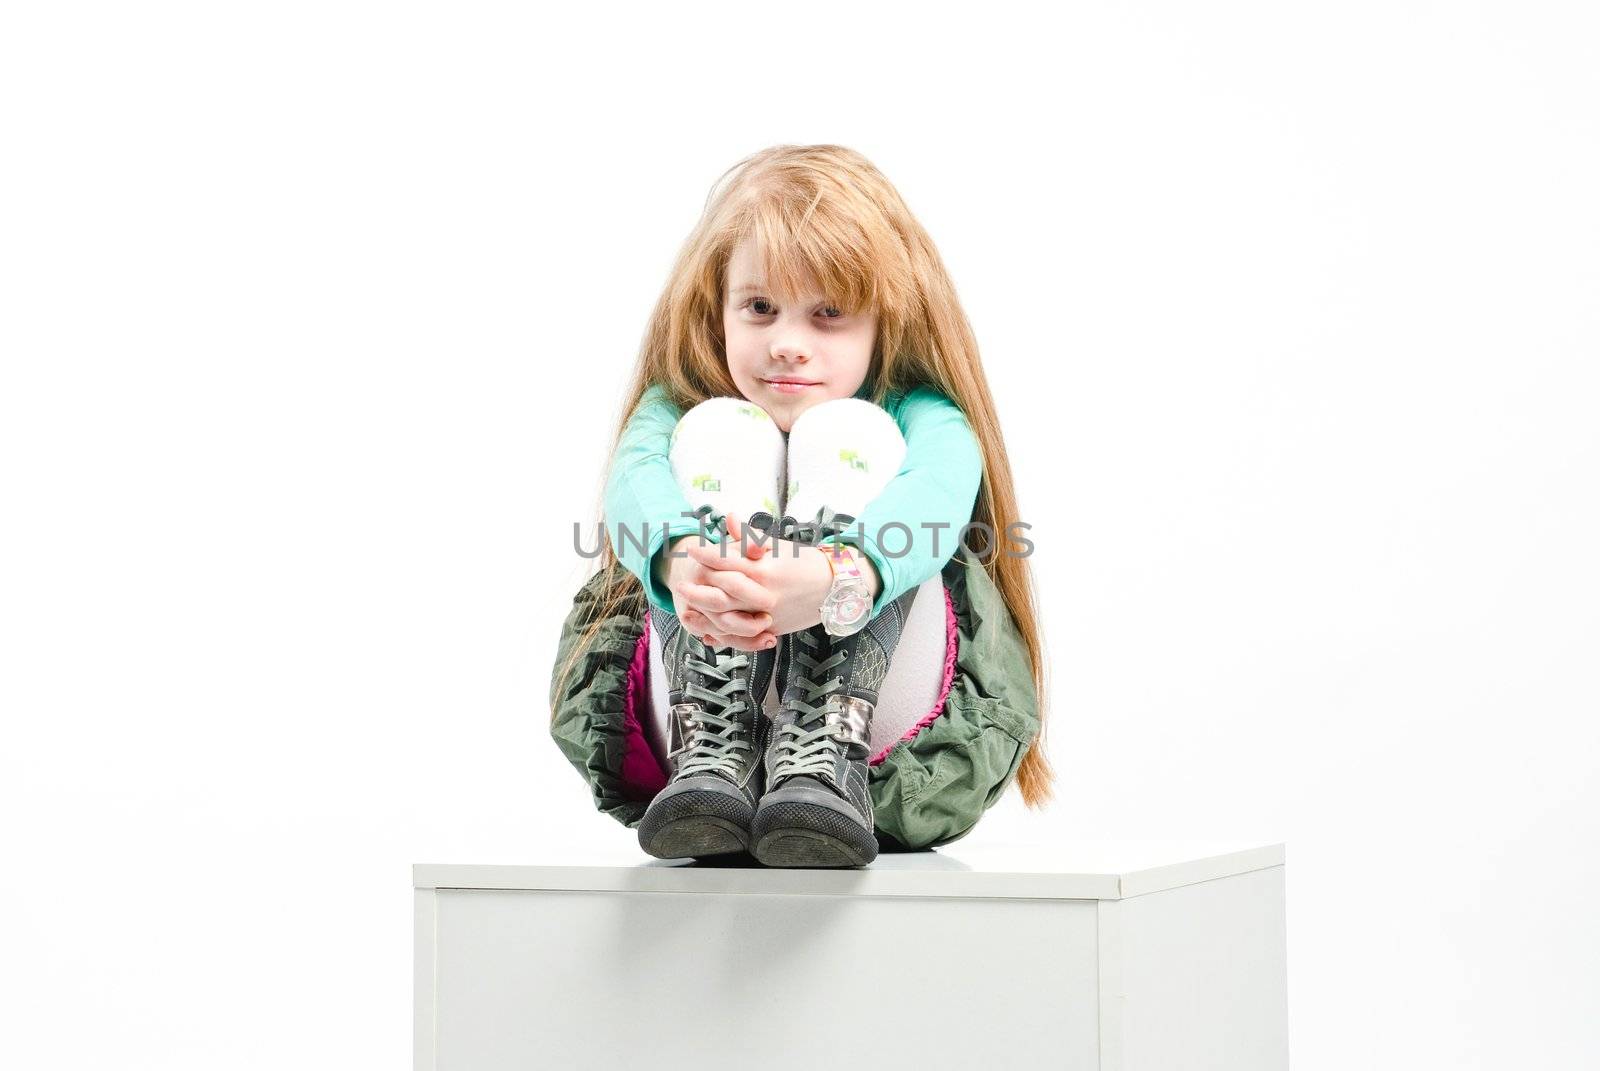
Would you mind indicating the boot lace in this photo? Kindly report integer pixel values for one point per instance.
(717, 735)
(712, 521)
(810, 743)
(825, 523)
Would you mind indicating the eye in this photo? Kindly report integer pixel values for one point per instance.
(831, 309)
(753, 302)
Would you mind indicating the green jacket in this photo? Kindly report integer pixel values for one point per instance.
(928, 790)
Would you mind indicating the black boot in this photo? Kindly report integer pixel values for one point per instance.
(718, 737)
(817, 810)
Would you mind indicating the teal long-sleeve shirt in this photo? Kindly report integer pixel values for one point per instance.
(933, 494)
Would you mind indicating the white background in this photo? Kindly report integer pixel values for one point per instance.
(315, 319)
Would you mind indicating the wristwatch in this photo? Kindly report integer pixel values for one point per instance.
(848, 604)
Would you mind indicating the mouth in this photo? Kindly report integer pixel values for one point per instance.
(790, 385)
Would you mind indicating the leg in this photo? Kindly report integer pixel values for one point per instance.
(842, 454)
(915, 685)
(817, 809)
(728, 455)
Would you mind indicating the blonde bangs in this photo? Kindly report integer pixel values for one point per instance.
(831, 247)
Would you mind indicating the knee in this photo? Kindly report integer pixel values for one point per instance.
(841, 421)
(723, 419)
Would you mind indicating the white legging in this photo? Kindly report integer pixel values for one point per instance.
(727, 453)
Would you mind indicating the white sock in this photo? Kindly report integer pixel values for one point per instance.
(727, 453)
(842, 453)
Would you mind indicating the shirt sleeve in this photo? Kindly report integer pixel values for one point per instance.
(933, 496)
(644, 506)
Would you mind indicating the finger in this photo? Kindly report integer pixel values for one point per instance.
(761, 641)
(741, 643)
(698, 625)
(709, 599)
(740, 624)
(712, 557)
(758, 640)
(720, 640)
(699, 621)
(747, 594)
(702, 629)
(738, 533)
(695, 622)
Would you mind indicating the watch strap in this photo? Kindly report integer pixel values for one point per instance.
(842, 559)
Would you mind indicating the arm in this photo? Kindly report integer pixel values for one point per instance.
(641, 493)
(938, 483)
(641, 496)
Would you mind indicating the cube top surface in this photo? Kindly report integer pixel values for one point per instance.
(1067, 870)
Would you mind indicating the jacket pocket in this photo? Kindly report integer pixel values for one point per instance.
(932, 789)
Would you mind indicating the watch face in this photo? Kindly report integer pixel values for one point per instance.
(851, 609)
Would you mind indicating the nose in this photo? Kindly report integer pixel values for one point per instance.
(790, 348)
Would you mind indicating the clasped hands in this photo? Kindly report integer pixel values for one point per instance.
(744, 594)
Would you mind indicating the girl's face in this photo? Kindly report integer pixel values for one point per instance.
(789, 352)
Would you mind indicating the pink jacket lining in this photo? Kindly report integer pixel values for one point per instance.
(642, 774)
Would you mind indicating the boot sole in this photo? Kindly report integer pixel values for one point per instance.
(692, 824)
(798, 848)
(693, 837)
(797, 835)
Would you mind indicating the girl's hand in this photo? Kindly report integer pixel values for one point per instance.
(794, 577)
(723, 609)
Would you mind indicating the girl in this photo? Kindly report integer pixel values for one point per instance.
(809, 393)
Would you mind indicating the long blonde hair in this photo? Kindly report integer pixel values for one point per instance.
(824, 215)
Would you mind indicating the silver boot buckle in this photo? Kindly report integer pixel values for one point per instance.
(850, 718)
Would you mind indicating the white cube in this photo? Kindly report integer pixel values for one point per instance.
(1083, 956)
